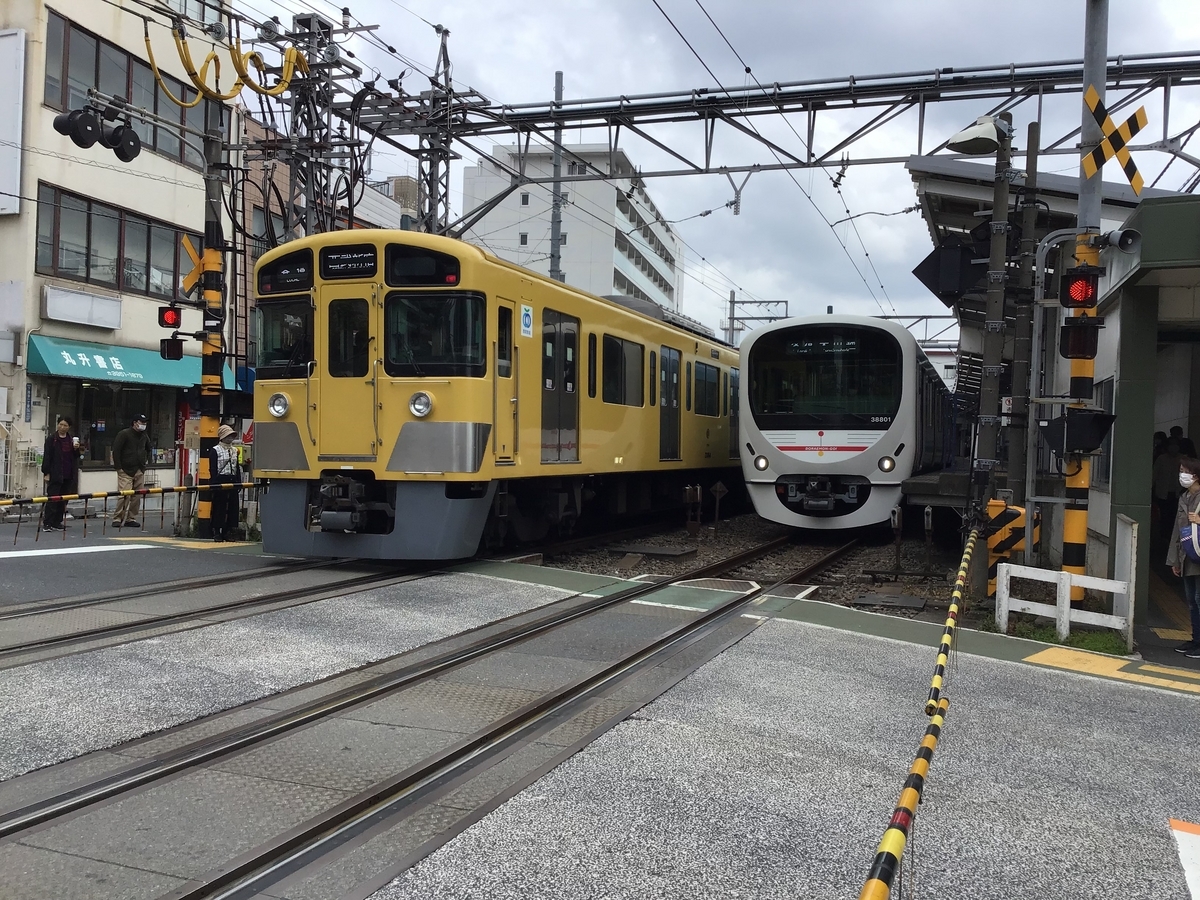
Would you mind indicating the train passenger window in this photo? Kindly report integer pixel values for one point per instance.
(569, 339)
(504, 340)
(734, 380)
(725, 391)
(653, 379)
(349, 338)
(688, 387)
(623, 372)
(592, 365)
(708, 403)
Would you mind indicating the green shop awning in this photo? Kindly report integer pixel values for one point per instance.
(112, 362)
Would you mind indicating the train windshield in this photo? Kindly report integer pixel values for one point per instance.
(825, 376)
(438, 335)
(285, 337)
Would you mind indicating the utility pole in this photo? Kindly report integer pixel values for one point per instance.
(1078, 467)
(993, 335)
(1022, 338)
(731, 334)
(212, 361)
(556, 271)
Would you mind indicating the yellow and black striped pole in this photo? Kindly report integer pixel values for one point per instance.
(1078, 468)
(212, 282)
(891, 848)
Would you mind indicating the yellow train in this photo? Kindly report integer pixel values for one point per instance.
(415, 395)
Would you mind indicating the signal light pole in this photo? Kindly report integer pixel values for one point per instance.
(212, 361)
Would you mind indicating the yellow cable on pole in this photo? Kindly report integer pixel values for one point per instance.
(158, 76)
(200, 79)
(293, 60)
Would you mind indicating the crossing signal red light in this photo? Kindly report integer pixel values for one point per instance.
(170, 317)
(1080, 287)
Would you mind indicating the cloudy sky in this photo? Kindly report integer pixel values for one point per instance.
(778, 247)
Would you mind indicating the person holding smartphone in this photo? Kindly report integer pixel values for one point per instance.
(60, 472)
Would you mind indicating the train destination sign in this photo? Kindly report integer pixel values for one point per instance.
(349, 261)
(293, 272)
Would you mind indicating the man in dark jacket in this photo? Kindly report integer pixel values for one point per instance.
(60, 468)
(131, 455)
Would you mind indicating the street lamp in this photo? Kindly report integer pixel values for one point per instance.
(984, 137)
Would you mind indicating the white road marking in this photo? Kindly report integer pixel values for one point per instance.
(1187, 838)
(63, 551)
(667, 605)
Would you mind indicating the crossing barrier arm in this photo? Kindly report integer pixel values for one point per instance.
(947, 641)
(141, 492)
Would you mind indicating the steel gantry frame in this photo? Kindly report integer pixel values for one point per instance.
(443, 117)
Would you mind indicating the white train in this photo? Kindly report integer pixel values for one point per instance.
(836, 412)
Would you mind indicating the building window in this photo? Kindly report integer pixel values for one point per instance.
(1102, 462)
(264, 239)
(525, 199)
(77, 60)
(101, 411)
(99, 244)
(523, 238)
(623, 361)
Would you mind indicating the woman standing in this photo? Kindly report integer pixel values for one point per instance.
(223, 468)
(1181, 564)
(60, 470)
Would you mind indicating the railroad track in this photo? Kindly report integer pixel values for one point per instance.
(17, 649)
(395, 800)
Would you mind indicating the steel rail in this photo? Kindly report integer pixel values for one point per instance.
(39, 607)
(240, 737)
(306, 595)
(298, 848)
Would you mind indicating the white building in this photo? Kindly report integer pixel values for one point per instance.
(90, 246)
(614, 239)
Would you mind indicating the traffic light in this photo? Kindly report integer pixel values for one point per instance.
(170, 317)
(170, 348)
(1079, 337)
(1080, 287)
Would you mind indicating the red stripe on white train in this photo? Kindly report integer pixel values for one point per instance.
(825, 447)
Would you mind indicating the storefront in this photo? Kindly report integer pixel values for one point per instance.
(101, 387)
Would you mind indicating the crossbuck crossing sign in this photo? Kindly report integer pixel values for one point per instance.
(1115, 142)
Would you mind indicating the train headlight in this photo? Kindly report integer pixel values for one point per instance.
(760, 463)
(886, 464)
(420, 404)
(278, 405)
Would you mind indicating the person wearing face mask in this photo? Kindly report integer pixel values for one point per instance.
(131, 455)
(223, 468)
(1180, 563)
(60, 468)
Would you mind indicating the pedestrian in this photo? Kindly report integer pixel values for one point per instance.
(131, 455)
(1181, 564)
(223, 468)
(1166, 484)
(1186, 447)
(60, 471)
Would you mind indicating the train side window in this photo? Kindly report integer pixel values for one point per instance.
(653, 381)
(504, 339)
(548, 357)
(569, 338)
(688, 389)
(725, 392)
(349, 336)
(708, 403)
(623, 371)
(592, 365)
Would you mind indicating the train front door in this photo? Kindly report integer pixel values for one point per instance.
(348, 412)
(560, 394)
(668, 408)
(504, 385)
